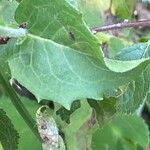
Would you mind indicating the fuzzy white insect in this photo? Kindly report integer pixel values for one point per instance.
(51, 140)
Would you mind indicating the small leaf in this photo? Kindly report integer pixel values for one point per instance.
(123, 8)
(105, 109)
(9, 137)
(77, 120)
(65, 114)
(125, 132)
(134, 52)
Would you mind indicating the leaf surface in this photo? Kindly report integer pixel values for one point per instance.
(9, 137)
(77, 120)
(62, 74)
(19, 124)
(137, 90)
(60, 59)
(125, 132)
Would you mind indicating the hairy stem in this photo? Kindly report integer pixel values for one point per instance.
(121, 25)
(18, 104)
(10, 32)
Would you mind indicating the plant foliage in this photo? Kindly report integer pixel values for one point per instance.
(97, 83)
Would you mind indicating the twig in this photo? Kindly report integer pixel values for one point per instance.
(121, 25)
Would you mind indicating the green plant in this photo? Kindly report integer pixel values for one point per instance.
(97, 82)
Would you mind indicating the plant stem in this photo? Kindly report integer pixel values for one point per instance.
(18, 104)
(121, 25)
(10, 32)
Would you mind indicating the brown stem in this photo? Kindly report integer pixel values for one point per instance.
(121, 25)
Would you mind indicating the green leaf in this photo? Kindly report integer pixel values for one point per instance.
(105, 109)
(137, 90)
(18, 1)
(123, 8)
(77, 120)
(134, 52)
(74, 68)
(124, 66)
(7, 10)
(65, 114)
(92, 12)
(27, 139)
(59, 22)
(9, 137)
(64, 72)
(126, 132)
(114, 46)
(37, 66)
(1, 147)
(136, 93)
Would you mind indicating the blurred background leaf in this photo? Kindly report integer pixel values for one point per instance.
(27, 139)
(126, 132)
(9, 137)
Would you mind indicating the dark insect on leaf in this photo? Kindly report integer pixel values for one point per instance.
(21, 90)
(72, 36)
(4, 40)
(23, 25)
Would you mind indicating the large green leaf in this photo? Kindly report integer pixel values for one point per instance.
(124, 132)
(74, 68)
(59, 22)
(9, 137)
(37, 66)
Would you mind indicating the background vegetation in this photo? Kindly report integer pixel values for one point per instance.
(71, 77)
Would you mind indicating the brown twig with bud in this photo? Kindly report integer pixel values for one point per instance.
(121, 25)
